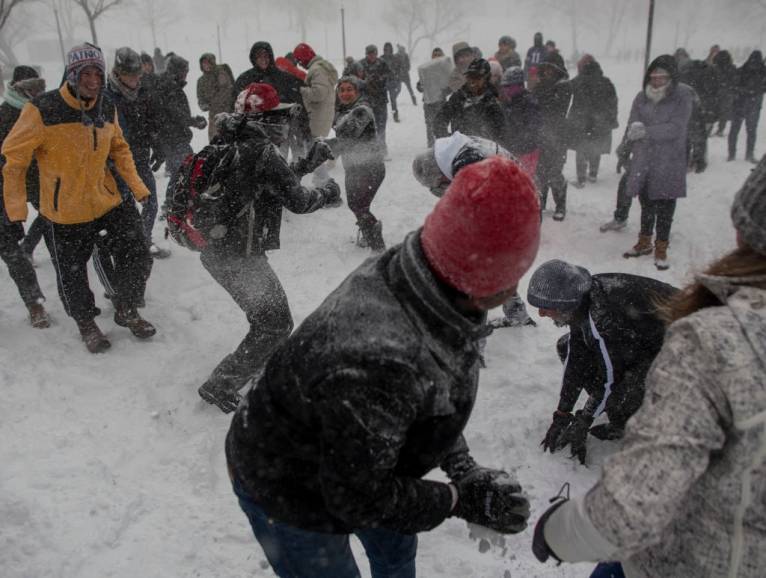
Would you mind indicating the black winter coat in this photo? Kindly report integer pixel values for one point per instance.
(8, 117)
(286, 85)
(367, 396)
(357, 141)
(553, 96)
(523, 122)
(751, 84)
(628, 335)
(175, 118)
(139, 121)
(703, 78)
(376, 75)
(261, 176)
(471, 115)
(593, 114)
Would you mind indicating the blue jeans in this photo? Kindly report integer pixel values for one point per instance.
(608, 570)
(296, 553)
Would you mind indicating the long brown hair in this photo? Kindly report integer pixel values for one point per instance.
(739, 265)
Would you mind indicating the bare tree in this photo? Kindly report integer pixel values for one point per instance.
(6, 7)
(155, 15)
(617, 11)
(93, 10)
(419, 20)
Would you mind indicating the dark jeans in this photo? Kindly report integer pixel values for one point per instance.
(296, 553)
(151, 206)
(430, 110)
(550, 176)
(380, 112)
(362, 184)
(393, 88)
(608, 570)
(587, 164)
(70, 246)
(749, 113)
(408, 83)
(34, 234)
(624, 201)
(19, 268)
(656, 213)
(256, 289)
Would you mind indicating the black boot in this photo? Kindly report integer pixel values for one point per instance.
(126, 316)
(223, 398)
(372, 233)
(95, 341)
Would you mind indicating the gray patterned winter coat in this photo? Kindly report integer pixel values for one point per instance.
(686, 496)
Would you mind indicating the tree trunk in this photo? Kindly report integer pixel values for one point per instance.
(92, 22)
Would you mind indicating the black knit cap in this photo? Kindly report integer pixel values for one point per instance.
(24, 72)
(748, 212)
(558, 285)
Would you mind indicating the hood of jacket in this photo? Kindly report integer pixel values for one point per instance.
(261, 45)
(666, 62)
(208, 56)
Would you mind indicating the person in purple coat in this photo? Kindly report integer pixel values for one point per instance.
(657, 132)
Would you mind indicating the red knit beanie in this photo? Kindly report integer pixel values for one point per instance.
(256, 97)
(483, 234)
(304, 54)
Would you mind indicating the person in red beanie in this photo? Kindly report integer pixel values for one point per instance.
(374, 390)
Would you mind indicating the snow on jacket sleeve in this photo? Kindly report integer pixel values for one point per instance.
(667, 448)
(18, 149)
(581, 369)
(285, 183)
(123, 161)
(365, 419)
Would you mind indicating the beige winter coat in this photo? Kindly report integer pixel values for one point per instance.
(319, 96)
(686, 495)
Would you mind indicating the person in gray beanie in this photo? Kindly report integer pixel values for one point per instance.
(686, 494)
(615, 334)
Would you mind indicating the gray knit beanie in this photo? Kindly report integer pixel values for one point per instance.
(748, 212)
(558, 285)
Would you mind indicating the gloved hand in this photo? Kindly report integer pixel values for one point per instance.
(331, 192)
(319, 152)
(636, 131)
(552, 440)
(199, 122)
(576, 435)
(540, 547)
(492, 499)
(156, 160)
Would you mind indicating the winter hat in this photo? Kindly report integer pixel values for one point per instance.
(748, 212)
(127, 61)
(82, 56)
(478, 67)
(209, 57)
(426, 171)
(507, 40)
(370, 49)
(176, 66)
(447, 148)
(459, 48)
(512, 75)
(351, 79)
(23, 72)
(558, 285)
(304, 54)
(483, 234)
(28, 88)
(256, 97)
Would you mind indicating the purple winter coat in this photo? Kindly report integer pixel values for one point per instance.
(659, 159)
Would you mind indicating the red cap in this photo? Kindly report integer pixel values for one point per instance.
(304, 54)
(483, 234)
(256, 97)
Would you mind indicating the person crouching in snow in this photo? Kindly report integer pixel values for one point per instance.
(374, 390)
(686, 495)
(358, 145)
(435, 169)
(615, 333)
(257, 185)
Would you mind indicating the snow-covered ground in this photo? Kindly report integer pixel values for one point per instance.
(110, 465)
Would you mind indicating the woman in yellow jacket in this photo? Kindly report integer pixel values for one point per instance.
(75, 137)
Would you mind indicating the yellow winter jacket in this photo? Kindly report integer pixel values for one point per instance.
(76, 185)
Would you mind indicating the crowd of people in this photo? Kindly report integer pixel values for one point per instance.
(340, 424)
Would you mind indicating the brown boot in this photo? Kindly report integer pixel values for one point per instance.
(643, 247)
(125, 316)
(661, 255)
(95, 341)
(38, 316)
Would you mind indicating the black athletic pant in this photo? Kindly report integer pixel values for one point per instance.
(550, 174)
(120, 232)
(431, 110)
(20, 269)
(587, 164)
(656, 214)
(362, 183)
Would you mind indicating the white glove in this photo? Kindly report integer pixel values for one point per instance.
(636, 131)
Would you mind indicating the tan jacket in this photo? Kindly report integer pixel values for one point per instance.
(319, 96)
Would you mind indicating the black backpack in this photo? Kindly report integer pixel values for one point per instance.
(193, 204)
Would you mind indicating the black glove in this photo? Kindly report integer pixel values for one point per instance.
(331, 193)
(156, 160)
(576, 435)
(540, 547)
(492, 499)
(552, 440)
(320, 152)
(199, 122)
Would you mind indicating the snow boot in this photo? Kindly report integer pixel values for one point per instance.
(592, 178)
(577, 184)
(613, 225)
(38, 316)
(95, 341)
(559, 214)
(396, 116)
(661, 255)
(371, 236)
(125, 316)
(224, 399)
(643, 247)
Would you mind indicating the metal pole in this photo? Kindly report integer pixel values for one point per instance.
(61, 39)
(218, 34)
(649, 26)
(343, 31)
